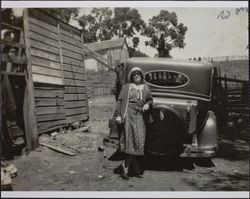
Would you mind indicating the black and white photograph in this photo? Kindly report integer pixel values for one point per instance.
(125, 99)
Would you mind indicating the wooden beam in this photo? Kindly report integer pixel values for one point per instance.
(13, 59)
(47, 79)
(10, 26)
(85, 78)
(31, 132)
(60, 50)
(13, 73)
(13, 44)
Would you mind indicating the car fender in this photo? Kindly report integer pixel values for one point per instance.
(207, 137)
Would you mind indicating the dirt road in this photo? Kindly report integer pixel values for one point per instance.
(47, 170)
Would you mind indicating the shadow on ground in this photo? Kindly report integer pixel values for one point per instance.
(233, 144)
(222, 181)
(167, 163)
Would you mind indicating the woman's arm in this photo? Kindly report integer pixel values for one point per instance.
(117, 112)
(149, 98)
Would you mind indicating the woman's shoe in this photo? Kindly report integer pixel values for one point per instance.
(124, 176)
(119, 170)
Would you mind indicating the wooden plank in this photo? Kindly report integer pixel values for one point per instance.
(4, 24)
(49, 117)
(43, 25)
(60, 47)
(72, 75)
(75, 104)
(67, 27)
(73, 55)
(231, 79)
(13, 44)
(44, 102)
(71, 47)
(49, 87)
(72, 68)
(85, 78)
(71, 41)
(73, 62)
(44, 32)
(50, 128)
(49, 124)
(57, 148)
(48, 94)
(47, 80)
(46, 71)
(71, 97)
(71, 35)
(73, 89)
(45, 47)
(76, 111)
(47, 63)
(49, 110)
(13, 59)
(76, 118)
(70, 82)
(13, 73)
(46, 55)
(44, 39)
(31, 132)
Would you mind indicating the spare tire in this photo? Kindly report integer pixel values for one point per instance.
(166, 133)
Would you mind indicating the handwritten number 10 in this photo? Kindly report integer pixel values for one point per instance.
(224, 15)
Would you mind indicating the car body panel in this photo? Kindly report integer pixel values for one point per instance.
(180, 108)
(199, 75)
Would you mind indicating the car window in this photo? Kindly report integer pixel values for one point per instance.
(165, 78)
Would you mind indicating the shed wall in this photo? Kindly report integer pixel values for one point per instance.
(58, 72)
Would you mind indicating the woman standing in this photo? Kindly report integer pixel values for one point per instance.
(131, 112)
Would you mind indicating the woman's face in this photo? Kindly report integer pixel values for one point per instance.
(136, 78)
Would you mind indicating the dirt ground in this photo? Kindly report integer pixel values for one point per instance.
(48, 170)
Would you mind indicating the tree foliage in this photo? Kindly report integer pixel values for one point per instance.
(104, 24)
(64, 14)
(133, 52)
(165, 33)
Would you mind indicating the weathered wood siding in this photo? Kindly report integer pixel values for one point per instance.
(75, 93)
(58, 72)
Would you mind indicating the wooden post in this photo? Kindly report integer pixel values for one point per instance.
(225, 97)
(85, 71)
(60, 48)
(29, 101)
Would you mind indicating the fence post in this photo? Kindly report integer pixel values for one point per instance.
(225, 93)
(244, 92)
(237, 83)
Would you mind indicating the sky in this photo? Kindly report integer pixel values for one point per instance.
(208, 34)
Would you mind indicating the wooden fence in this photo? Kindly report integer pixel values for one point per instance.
(230, 99)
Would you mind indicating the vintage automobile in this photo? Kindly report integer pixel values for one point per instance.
(182, 123)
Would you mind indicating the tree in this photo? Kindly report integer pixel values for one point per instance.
(64, 14)
(136, 53)
(97, 26)
(165, 33)
(104, 24)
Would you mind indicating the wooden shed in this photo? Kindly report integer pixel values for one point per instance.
(114, 51)
(55, 93)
